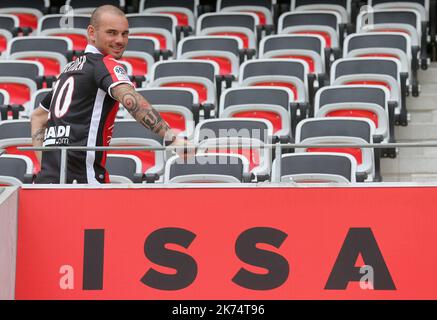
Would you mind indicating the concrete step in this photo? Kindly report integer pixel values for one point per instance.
(410, 178)
(428, 89)
(425, 102)
(428, 76)
(416, 132)
(420, 164)
(423, 116)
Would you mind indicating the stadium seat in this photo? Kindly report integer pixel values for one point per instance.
(195, 74)
(9, 28)
(179, 107)
(123, 168)
(385, 44)
(360, 101)
(264, 9)
(57, 25)
(34, 103)
(17, 133)
(4, 97)
(217, 135)
(207, 168)
(130, 133)
(342, 7)
(21, 79)
(325, 24)
(397, 20)
(184, 11)
(237, 24)
(288, 73)
(226, 51)
(270, 103)
(159, 26)
(308, 48)
(5, 38)
(52, 52)
(141, 53)
(342, 130)
(28, 12)
(88, 6)
(15, 170)
(375, 71)
(4, 104)
(421, 6)
(315, 167)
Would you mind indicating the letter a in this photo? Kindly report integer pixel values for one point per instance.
(67, 280)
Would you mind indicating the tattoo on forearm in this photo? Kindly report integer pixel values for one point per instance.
(153, 120)
(39, 135)
(138, 107)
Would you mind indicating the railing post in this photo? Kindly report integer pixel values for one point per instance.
(278, 154)
(62, 176)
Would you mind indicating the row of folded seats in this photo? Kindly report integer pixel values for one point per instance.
(242, 138)
(311, 83)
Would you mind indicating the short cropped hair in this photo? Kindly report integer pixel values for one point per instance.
(95, 17)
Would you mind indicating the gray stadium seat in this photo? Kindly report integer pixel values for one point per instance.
(313, 167)
(208, 168)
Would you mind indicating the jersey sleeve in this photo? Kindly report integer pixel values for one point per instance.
(110, 73)
(46, 101)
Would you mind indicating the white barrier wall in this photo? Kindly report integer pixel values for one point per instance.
(8, 241)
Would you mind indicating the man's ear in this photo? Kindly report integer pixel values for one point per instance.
(91, 33)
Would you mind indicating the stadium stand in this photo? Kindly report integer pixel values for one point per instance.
(21, 79)
(184, 11)
(230, 51)
(269, 103)
(52, 52)
(179, 107)
(248, 135)
(370, 102)
(15, 170)
(375, 71)
(245, 26)
(342, 130)
(264, 9)
(88, 6)
(314, 167)
(226, 51)
(124, 168)
(309, 48)
(208, 168)
(14, 134)
(159, 26)
(28, 12)
(130, 133)
(201, 76)
(73, 28)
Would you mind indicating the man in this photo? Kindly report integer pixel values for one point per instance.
(81, 108)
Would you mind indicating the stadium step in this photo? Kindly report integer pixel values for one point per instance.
(430, 75)
(417, 164)
(416, 132)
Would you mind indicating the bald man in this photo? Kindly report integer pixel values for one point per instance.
(81, 108)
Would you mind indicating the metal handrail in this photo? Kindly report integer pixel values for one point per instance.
(277, 146)
(254, 145)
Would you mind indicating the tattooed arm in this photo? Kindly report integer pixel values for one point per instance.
(145, 114)
(142, 111)
(39, 124)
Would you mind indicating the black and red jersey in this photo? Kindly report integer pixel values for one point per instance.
(81, 113)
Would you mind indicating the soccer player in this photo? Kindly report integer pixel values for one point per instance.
(81, 108)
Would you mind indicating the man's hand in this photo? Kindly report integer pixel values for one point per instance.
(184, 148)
